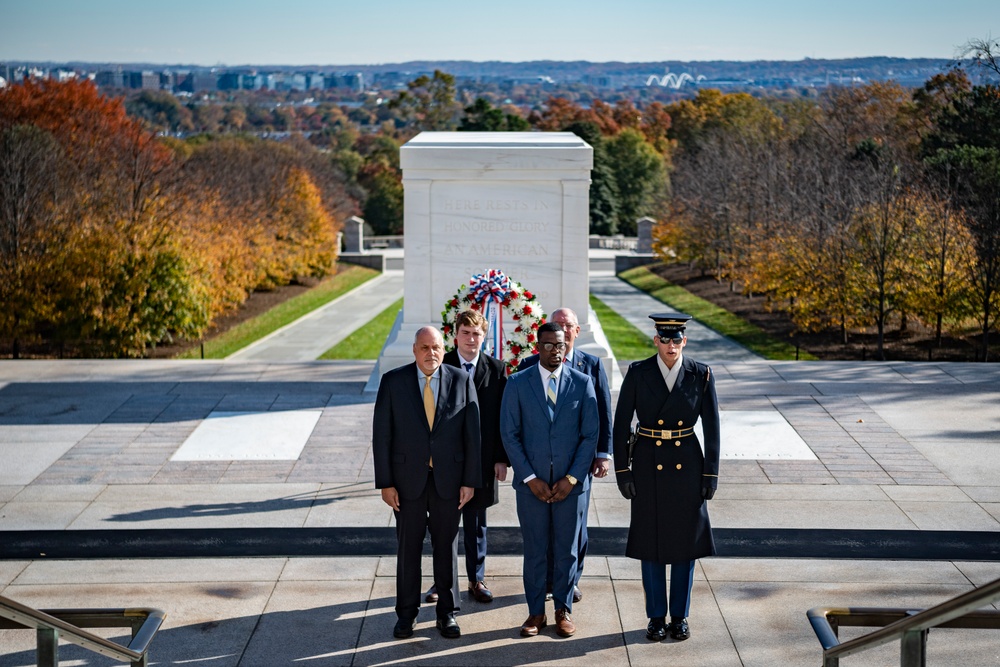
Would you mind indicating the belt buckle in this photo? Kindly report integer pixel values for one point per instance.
(665, 435)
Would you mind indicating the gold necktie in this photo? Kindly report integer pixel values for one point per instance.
(429, 408)
(428, 401)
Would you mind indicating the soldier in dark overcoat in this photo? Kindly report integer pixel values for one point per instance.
(661, 469)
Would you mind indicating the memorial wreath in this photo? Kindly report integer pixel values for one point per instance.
(495, 295)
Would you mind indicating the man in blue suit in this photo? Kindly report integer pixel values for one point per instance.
(590, 365)
(549, 426)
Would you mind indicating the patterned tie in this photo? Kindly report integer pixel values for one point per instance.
(468, 366)
(428, 401)
(550, 396)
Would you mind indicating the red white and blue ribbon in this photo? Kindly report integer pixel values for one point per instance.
(490, 290)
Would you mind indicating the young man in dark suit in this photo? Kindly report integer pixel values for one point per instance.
(590, 365)
(425, 444)
(665, 475)
(549, 425)
(490, 378)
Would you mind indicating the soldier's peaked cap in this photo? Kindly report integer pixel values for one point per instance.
(669, 324)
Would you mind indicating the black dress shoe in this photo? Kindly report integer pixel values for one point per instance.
(403, 629)
(432, 594)
(577, 594)
(679, 629)
(656, 631)
(448, 627)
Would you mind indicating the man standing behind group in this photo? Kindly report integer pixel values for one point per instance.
(425, 443)
(549, 425)
(590, 365)
(490, 378)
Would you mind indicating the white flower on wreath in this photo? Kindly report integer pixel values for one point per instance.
(521, 307)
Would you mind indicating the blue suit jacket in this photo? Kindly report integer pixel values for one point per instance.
(550, 448)
(590, 365)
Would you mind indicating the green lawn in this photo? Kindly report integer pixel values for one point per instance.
(627, 342)
(219, 347)
(707, 313)
(366, 342)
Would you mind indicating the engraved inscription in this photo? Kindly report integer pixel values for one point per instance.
(493, 227)
(494, 205)
(495, 250)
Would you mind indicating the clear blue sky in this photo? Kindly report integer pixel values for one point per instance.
(335, 32)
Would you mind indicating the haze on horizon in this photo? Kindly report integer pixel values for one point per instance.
(334, 32)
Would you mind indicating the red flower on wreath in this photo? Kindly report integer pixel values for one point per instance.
(528, 295)
(527, 309)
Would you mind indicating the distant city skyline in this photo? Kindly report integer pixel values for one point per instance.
(334, 32)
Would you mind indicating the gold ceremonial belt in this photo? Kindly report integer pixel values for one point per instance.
(666, 435)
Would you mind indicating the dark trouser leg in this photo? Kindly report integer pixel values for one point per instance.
(474, 539)
(535, 518)
(443, 517)
(681, 581)
(654, 585)
(411, 525)
(566, 517)
(582, 540)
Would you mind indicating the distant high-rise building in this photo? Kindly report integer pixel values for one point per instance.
(110, 79)
(314, 81)
(229, 81)
(353, 80)
(145, 80)
(197, 81)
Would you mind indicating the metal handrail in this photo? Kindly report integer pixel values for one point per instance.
(65, 623)
(911, 626)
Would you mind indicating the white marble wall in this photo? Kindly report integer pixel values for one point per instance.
(473, 201)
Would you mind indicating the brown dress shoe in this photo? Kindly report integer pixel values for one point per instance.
(480, 592)
(531, 626)
(577, 594)
(564, 624)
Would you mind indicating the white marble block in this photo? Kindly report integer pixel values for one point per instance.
(473, 201)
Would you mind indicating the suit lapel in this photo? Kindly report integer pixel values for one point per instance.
(565, 388)
(444, 387)
(416, 393)
(538, 391)
(482, 368)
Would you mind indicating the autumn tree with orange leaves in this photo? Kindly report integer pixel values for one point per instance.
(108, 244)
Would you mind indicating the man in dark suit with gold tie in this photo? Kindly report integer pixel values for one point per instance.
(426, 449)
(664, 473)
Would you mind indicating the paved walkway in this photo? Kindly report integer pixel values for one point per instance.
(635, 306)
(311, 335)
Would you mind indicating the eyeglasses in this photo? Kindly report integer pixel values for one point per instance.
(548, 347)
(673, 340)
